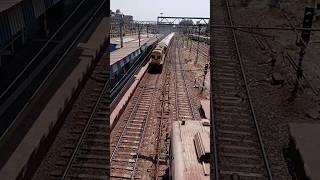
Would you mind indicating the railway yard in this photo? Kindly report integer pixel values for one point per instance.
(102, 96)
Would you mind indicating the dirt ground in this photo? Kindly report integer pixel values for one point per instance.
(275, 105)
(196, 71)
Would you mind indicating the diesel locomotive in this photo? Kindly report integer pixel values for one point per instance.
(159, 53)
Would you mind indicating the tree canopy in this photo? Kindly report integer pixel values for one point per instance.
(186, 22)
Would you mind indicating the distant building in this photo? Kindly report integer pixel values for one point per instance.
(117, 16)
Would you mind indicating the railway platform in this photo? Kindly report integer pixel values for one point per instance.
(121, 59)
(205, 106)
(192, 168)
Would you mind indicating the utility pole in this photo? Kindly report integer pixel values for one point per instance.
(45, 24)
(196, 61)
(121, 26)
(190, 47)
(139, 33)
(305, 38)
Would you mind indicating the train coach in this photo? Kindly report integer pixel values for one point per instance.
(159, 53)
(195, 37)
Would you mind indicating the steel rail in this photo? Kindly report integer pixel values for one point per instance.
(162, 112)
(186, 87)
(176, 88)
(84, 132)
(158, 144)
(134, 110)
(94, 110)
(176, 91)
(143, 131)
(125, 127)
(265, 158)
(213, 133)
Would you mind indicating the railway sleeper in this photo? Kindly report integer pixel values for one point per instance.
(134, 129)
(133, 154)
(130, 147)
(233, 114)
(235, 101)
(239, 158)
(132, 137)
(243, 175)
(228, 88)
(91, 166)
(130, 141)
(256, 172)
(237, 126)
(234, 132)
(87, 176)
(95, 148)
(96, 140)
(244, 150)
(129, 168)
(124, 176)
(231, 109)
(236, 139)
(137, 120)
(92, 157)
(124, 160)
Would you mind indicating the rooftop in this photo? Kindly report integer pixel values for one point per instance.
(6, 4)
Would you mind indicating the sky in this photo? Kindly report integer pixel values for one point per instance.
(149, 10)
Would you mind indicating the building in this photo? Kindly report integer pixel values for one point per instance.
(117, 16)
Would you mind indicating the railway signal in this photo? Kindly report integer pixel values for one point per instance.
(205, 72)
(307, 23)
(121, 31)
(199, 30)
(206, 69)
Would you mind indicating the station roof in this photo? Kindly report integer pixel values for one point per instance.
(6, 4)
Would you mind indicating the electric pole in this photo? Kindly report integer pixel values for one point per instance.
(196, 61)
(139, 33)
(303, 41)
(121, 34)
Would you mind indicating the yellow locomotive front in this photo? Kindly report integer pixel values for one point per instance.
(156, 60)
(158, 54)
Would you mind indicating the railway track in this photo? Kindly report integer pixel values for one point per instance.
(238, 147)
(183, 103)
(164, 123)
(40, 69)
(125, 153)
(203, 50)
(86, 155)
